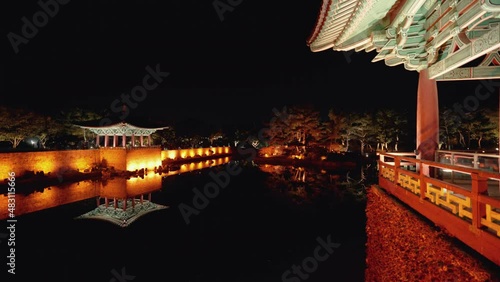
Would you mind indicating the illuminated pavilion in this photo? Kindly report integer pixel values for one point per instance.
(119, 132)
(442, 40)
(124, 145)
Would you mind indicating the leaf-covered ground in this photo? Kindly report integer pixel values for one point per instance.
(403, 247)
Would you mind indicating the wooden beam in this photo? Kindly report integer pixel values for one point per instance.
(489, 42)
(473, 73)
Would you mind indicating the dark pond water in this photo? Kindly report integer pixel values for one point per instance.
(253, 223)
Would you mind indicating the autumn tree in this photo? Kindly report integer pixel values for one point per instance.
(333, 128)
(391, 126)
(480, 126)
(46, 128)
(166, 137)
(70, 117)
(449, 124)
(493, 135)
(346, 129)
(383, 135)
(305, 126)
(361, 127)
(217, 137)
(302, 128)
(17, 124)
(277, 130)
(468, 130)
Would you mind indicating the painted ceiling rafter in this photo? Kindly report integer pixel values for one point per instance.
(440, 36)
(489, 68)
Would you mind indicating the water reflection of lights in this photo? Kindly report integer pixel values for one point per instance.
(303, 185)
(67, 193)
(193, 166)
(51, 197)
(122, 201)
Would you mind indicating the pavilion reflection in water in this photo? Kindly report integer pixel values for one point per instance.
(122, 201)
(74, 192)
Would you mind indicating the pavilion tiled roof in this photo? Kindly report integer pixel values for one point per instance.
(440, 36)
(114, 126)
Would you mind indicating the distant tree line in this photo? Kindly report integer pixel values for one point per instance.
(382, 129)
(20, 126)
(302, 128)
(476, 130)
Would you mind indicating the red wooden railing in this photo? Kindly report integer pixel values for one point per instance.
(463, 200)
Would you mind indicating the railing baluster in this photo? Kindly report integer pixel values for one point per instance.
(397, 163)
(479, 186)
(423, 182)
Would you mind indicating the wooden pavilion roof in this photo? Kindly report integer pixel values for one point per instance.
(121, 128)
(453, 39)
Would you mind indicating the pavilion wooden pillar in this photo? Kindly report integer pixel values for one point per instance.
(115, 137)
(427, 118)
(97, 140)
(142, 140)
(149, 140)
(106, 140)
(124, 141)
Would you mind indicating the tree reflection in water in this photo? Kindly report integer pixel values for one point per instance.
(305, 186)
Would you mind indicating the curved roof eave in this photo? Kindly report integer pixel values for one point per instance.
(321, 19)
(334, 15)
(340, 24)
(121, 125)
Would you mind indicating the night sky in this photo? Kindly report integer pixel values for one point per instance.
(228, 67)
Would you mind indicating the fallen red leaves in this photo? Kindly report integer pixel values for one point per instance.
(402, 247)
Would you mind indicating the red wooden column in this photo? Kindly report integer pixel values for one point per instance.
(427, 118)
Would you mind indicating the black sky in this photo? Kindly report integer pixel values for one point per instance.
(254, 58)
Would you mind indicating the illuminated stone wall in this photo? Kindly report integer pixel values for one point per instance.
(149, 157)
(114, 157)
(46, 161)
(81, 160)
